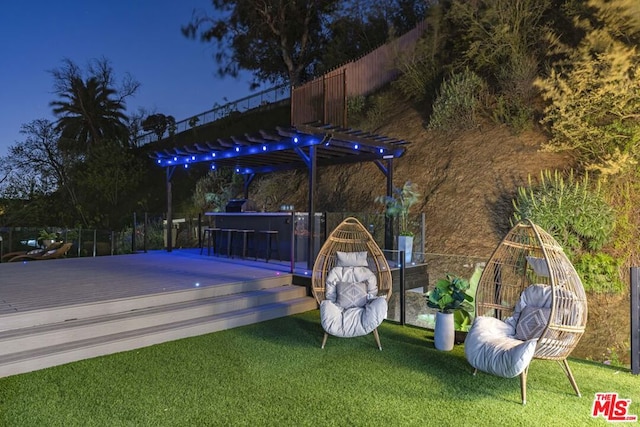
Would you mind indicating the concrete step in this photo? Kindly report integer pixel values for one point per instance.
(42, 345)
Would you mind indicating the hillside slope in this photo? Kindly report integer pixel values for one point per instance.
(467, 180)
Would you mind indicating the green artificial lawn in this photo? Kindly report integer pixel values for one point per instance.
(274, 373)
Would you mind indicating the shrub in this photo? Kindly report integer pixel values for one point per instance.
(593, 90)
(355, 105)
(599, 273)
(420, 67)
(459, 103)
(515, 114)
(572, 210)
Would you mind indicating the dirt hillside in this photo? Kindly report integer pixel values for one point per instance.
(467, 180)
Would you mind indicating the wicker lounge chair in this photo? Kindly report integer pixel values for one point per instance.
(351, 282)
(50, 254)
(530, 304)
(6, 257)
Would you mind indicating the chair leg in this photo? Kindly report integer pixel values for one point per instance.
(569, 375)
(523, 385)
(377, 337)
(324, 340)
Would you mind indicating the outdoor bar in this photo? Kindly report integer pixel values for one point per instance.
(277, 235)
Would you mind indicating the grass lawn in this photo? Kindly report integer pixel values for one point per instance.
(275, 374)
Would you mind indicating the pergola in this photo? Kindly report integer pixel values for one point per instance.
(287, 148)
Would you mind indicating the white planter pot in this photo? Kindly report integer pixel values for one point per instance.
(405, 243)
(444, 336)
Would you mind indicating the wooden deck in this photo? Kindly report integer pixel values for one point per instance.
(37, 285)
(59, 311)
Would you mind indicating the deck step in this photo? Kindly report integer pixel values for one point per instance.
(106, 331)
(78, 311)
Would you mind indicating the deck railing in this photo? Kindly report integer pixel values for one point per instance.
(261, 99)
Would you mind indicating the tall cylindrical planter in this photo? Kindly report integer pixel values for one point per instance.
(445, 331)
(405, 243)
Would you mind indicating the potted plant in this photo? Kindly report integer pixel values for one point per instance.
(448, 296)
(47, 238)
(397, 206)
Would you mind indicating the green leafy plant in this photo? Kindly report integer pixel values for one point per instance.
(462, 320)
(399, 204)
(449, 295)
(572, 210)
(460, 102)
(599, 273)
(48, 235)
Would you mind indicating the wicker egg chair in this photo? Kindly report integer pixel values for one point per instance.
(529, 259)
(350, 236)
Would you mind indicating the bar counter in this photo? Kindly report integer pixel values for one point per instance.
(282, 222)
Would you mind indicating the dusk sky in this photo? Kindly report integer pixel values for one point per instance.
(141, 37)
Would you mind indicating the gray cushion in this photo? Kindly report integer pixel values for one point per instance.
(351, 259)
(355, 321)
(350, 274)
(538, 295)
(491, 347)
(351, 294)
(532, 322)
(539, 266)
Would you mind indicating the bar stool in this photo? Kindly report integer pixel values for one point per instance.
(269, 237)
(228, 233)
(244, 239)
(209, 234)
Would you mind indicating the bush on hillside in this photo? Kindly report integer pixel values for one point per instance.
(572, 210)
(594, 90)
(460, 102)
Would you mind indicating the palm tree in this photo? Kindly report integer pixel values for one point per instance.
(88, 113)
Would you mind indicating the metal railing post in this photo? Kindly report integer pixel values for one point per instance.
(635, 320)
(145, 240)
(402, 286)
(133, 234)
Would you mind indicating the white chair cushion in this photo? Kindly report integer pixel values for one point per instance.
(539, 266)
(351, 321)
(350, 275)
(490, 346)
(355, 321)
(351, 259)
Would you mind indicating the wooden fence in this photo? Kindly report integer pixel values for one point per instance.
(325, 98)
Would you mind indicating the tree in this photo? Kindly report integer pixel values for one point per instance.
(34, 166)
(105, 179)
(90, 108)
(277, 40)
(38, 169)
(134, 124)
(359, 26)
(593, 89)
(159, 124)
(284, 40)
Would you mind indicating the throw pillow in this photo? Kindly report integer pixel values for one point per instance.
(532, 322)
(539, 266)
(351, 294)
(352, 259)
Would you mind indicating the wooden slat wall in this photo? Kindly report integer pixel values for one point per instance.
(324, 98)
